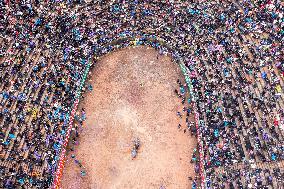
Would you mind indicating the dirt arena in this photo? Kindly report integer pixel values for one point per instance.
(132, 96)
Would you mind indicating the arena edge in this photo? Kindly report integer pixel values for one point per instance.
(133, 41)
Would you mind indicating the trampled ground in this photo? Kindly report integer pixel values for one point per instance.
(132, 96)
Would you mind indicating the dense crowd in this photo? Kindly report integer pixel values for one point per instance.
(233, 52)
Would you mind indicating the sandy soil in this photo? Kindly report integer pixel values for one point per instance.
(132, 96)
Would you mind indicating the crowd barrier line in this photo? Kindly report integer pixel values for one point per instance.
(58, 173)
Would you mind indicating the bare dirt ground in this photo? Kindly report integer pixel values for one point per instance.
(132, 96)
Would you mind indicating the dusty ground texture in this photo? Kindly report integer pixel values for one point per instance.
(132, 96)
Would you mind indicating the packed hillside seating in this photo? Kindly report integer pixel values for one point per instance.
(233, 51)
